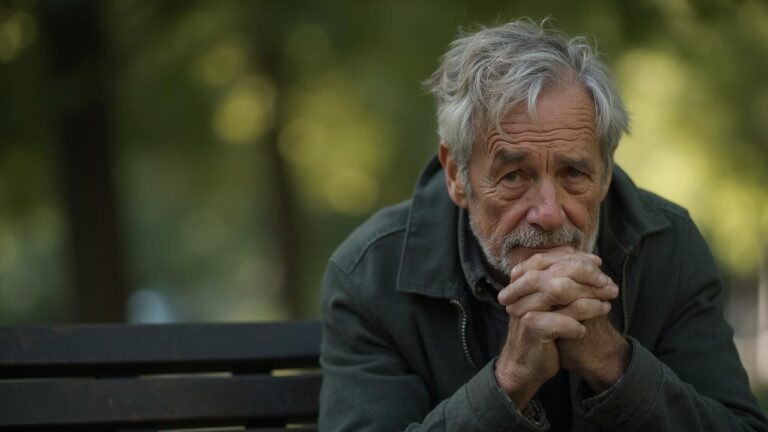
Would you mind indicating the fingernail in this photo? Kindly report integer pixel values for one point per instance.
(583, 332)
(603, 279)
(606, 307)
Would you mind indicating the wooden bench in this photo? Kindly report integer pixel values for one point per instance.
(259, 376)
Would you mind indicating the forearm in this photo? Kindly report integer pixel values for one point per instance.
(601, 358)
(479, 405)
(650, 396)
(355, 402)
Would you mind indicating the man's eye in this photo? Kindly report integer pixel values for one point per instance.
(512, 177)
(573, 173)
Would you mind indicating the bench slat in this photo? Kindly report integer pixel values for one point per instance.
(160, 402)
(71, 350)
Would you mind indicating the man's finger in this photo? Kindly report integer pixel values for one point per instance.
(580, 270)
(527, 284)
(560, 298)
(538, 291)
(585, 309)
(541, 261)
(552, 325)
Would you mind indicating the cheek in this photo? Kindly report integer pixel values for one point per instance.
(582, 213)
(503, 216)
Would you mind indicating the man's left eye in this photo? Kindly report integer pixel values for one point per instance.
(512, 177)
(573, 173)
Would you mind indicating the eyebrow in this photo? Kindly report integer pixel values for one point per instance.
(580, 163)
(505, 157)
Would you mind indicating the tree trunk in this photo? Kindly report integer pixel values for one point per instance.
(285, 216)
(79, 76)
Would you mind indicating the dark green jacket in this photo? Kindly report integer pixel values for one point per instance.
(399, 351)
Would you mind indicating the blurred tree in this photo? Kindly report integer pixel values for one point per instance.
(80, 82)
(249, 137)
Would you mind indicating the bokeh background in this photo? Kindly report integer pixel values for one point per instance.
(200, 160)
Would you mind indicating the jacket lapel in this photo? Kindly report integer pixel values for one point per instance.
(429, 262)
(626, 218)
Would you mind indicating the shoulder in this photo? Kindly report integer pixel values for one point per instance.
(680, 248)
(635, 212)
(381, 235)
(674, 213)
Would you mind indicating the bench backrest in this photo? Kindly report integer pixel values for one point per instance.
(159, 376)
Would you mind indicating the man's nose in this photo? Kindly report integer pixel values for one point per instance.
(545, 211)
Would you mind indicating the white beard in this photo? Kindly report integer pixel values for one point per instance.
(532, 238)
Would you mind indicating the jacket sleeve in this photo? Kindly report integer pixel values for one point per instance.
(692, 379)
(368, 386)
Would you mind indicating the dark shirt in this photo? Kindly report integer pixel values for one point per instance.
(490, 320)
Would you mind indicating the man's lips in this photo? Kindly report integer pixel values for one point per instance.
(536, 250)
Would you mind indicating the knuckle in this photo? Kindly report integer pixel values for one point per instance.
(571, 266)
(564, 265)
(584, 265)
(529, 320)
(534, 278)
(555, 291)
(550, 298)
(523, 280)
(513, 310)
(528, 277)
(580, 308)
(559, 291)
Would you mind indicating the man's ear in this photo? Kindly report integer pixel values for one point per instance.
(451, 169)
(606, 183)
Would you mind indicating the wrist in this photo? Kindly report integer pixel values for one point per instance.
(519, 386)
(609, 368)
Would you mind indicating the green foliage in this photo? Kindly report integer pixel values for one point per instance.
(203, 90)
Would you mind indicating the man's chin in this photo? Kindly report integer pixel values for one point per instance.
(520, 254)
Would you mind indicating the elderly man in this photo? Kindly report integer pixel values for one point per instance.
(528, 285)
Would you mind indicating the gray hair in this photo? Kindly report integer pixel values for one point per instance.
(486, 74)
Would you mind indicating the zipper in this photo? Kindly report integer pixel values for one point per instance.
(464, 319)
(625, 263)
(622, 293)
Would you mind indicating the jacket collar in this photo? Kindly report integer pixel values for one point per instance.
(625, 218)
(429, 262)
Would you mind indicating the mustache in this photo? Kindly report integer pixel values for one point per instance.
(534, 238)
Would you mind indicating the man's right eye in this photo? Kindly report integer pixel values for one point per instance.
(512, 177)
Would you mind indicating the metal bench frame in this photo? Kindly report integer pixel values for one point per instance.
(141, 377)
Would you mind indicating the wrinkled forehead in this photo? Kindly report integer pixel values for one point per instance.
(559, 112)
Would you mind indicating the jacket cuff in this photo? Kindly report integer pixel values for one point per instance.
(626, 403)
(493, 408)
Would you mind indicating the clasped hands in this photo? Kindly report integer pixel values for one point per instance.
(558, 305)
